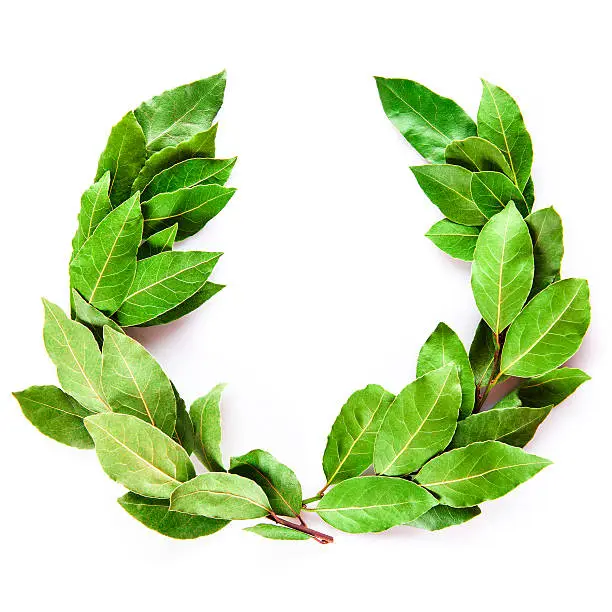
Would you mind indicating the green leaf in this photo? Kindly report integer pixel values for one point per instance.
(426, 120)
(178, 114)
(160, 242)
(221, 495)
(104, 268)
(419, 423)
(442, 348)
(123, 157)
(164, 281)
(55, 414)
(192, 208)
(457, 240)
(548, 331)
(75, 353)
(441, 517)
(529, 194)
(95, 205)
(277, 532)
(183, 429)
(482, 354)
(546, 232)
(510, 400)
(500, 122)
(188, 173)
(502, 271)
(134, 383)
(513, 426)
(552, 388)
(476, 154)
(89, 315)
(189, 305)
(491, 191)
(206, 417)
(200, 145)
(350, 444)
(373, 503)
(278, 482)
(156, 515)
(137, 455)
(448, 187)
(479, 472)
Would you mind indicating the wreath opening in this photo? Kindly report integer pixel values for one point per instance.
(425, 457)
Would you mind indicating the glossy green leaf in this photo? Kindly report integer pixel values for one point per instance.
(441, 517)
(89, 315)
(277, 532)
(164, 281)
(156, 515)
(104, 268)
(502, 271)
(476, 154)
(491, 191)
(221, 495)
(482, 354)
(160, 242)
(200, 145)
(279, 483)
(137, 455)
(529, 193)
(552, 388)
(350, 444)
(55, 414)
(500, 122)
(546, 231)
(419, 423)
(513, 426)
(548, 331)
(185, 307)
(441, 348)
(373, 503)
(183, 429)
(479, 472)
(206, 417)
(192, 208)
(95, 205)
(178, 114)
(75, 353)
(189, 173)
(134, 383)
(429, 122)
(123, 157)
(448, 187)
(510, 400)
(457, 240)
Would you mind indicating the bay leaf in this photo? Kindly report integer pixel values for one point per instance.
(441, 517)
(373, 503)
(482, 354)
(476, 154)
(277, 532)
(419, 423)
(206, 417)
(448, 187)
(510, 400)
(479, 472)
(546, 231)
(75, 353)
(457, 240)
(502, 271)
(95, 205)
(491, 191)
(192, 208)
(428, 121)
(123, 157)
(279, 483)
(134, 383)
(103, 269)
(442, 348)
(221, 495)
(139, 456)
(156, 515)
(159, 242)
(178, 114)
(500, 121)
(55, 414)
(89, 315)
(552, 388)
(529, 194)
(164, 281)
(183, 429)
(350, 444)
(548, 331)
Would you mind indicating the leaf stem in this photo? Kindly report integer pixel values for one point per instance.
(495, 376)
(314, 498)
(322, 538)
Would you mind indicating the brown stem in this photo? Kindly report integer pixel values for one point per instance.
(322, 538)
(494, 375)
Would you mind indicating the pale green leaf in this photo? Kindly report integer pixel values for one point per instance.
(552, 388)
(277, 532)
(95, 205)
(183, 429)
(160, 242)
(206, 417)
(89, 315)
(476, 154)
(491, 192)
(457, 240)
(441, 517)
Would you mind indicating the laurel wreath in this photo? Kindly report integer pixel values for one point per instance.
(427, 456)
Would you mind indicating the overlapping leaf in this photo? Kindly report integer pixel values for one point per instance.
(277, 532)
(476, 154)
(455, 239)
(160, 242)
(95, 205)
(441, 517)
(552, 388)
(492, 191)
(206, 417)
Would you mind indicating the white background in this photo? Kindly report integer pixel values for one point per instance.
(331, 285)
